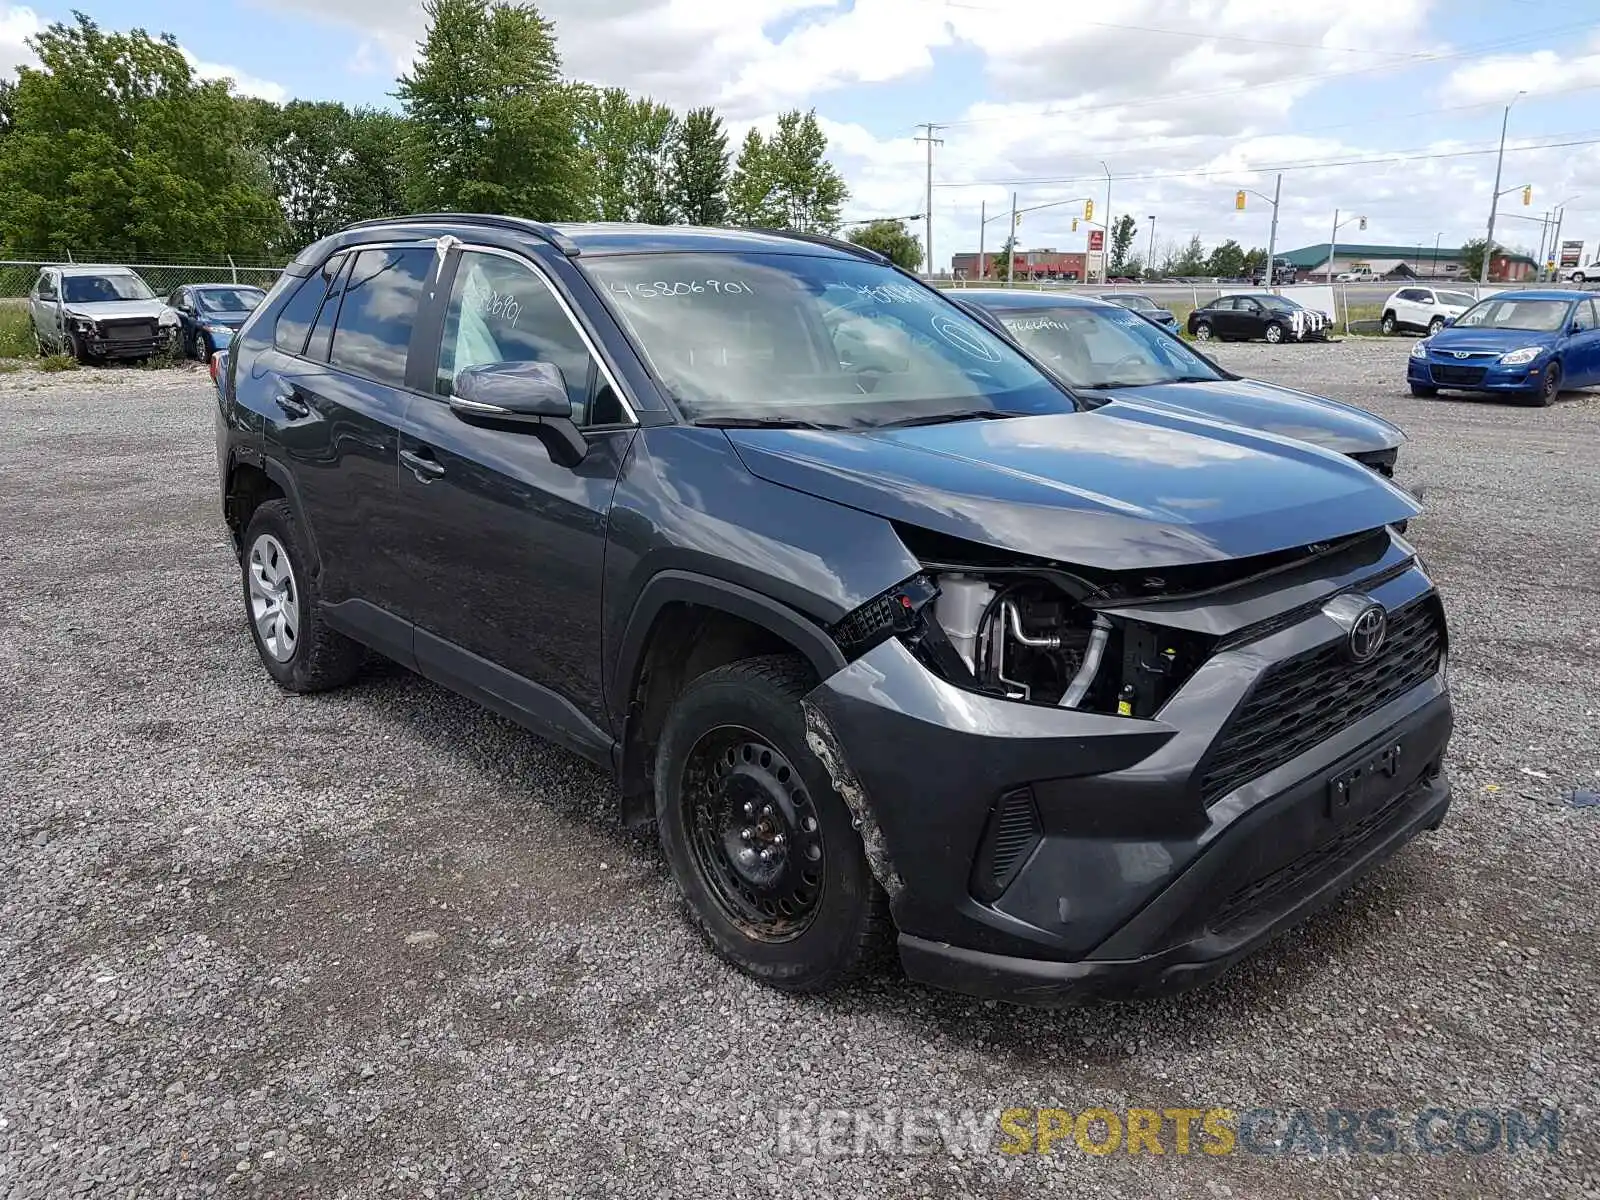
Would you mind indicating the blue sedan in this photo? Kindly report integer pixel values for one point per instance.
(1527, 345)
(211, 313)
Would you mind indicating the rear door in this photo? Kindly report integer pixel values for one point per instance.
(508, 546)
(338, 397)
(1222, 316)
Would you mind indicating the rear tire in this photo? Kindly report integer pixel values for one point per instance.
(297, 647)
(1389, 324)
(1435, 325)
(762, 846)
(1423, 390)
(1202, 331)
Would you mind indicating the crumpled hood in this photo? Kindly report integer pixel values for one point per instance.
(1494, 341)
(1342, 428)
(1141, 489)
(124, 310)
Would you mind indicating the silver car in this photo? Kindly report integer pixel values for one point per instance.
(96, 313)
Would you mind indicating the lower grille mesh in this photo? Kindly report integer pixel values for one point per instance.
(1303, 701)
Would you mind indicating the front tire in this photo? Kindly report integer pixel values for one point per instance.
(202, 346)
(1273, 333)
(762, 846)
(297, 647)
(1424, 391)
(1202, 331)
(1549, 387)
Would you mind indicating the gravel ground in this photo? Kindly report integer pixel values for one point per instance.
(381, 942)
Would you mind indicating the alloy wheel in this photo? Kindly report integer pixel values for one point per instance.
(1202, 332)
(274, 598)
(1274, 334)
(754, 834)
(1434, 326)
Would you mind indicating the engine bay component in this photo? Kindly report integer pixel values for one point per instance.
(1031, 641)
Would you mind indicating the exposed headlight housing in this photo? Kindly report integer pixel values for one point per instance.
(1518, 357)
(1419, 350)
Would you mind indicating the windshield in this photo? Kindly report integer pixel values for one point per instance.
(100, 289)
(1455, 299)
(1142, 303)
(1540, 316)
(1105, 348)
(788, 338)
(228, 300)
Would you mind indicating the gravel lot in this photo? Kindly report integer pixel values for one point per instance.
(381, 942)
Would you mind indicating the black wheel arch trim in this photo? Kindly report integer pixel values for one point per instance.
(280, 475)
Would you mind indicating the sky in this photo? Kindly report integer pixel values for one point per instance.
(1387, 109)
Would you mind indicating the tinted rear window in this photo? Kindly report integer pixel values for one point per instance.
(380, 307)
(294, 321)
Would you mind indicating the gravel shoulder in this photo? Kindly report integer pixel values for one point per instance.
(382, 942)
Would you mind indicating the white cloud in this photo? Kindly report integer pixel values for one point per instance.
(1540, 73)
(17, 24)
(243, 84)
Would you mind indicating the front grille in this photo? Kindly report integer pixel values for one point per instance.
(130, 331)
(1460, 375)
(1302, 871)
(1303, 701)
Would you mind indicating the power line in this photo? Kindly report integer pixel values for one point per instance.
(1482, 50)
(1392, 158)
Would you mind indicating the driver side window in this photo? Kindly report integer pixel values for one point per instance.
(502, 310)
(1586, 316)
(47, 287)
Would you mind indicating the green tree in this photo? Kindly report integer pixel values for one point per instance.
(655, 131)
(371, 180)
(1226, 261)
(1191, 260)
(893, 240)
(1122, 235)
(750, 199)
(302, 145)
(1472, 257)
(493, 126)
(786, 181)
(116, 147)
(629, 147)
(700, 169)
(1255, 259)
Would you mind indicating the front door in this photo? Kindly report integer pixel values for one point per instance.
(507, 548)
(1583, 347)
(45, 304)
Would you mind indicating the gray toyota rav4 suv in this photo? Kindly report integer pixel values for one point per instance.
(889, 633)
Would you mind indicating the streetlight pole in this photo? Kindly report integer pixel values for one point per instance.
(927, 206)
(1151, 261)
(1434, 272)
(1105, 251)
(1011, 244)
(1272, 237)
(1494, 200)
(1333, 240)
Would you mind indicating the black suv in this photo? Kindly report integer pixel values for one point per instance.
(885, 628)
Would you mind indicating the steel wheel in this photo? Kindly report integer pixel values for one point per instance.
(274, 598)
(754, 834)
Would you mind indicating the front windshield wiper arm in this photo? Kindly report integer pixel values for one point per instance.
(759, 423)
(945, 418)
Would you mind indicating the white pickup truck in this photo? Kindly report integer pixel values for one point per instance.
(1360, 273)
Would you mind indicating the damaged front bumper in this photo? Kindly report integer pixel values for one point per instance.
(1045, 855)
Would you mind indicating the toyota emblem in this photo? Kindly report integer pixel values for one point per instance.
(1367, 634)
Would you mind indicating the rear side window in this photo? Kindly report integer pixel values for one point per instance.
(294, 320)
(321, 340)
(379, 309)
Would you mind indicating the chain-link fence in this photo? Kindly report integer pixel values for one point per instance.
(19, 270)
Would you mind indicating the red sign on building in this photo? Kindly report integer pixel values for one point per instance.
(1097, 241)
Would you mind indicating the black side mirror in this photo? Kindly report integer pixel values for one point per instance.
(526, 397)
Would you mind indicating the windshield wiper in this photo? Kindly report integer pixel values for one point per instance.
(759, 423)
(945, 418)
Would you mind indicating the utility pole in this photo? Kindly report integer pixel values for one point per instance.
(1011, 244)
(1150, 263)
(1105, 253)
(1494, 199)
(1333, 244)
(1272, 237)
(932, 141)
(983, 228)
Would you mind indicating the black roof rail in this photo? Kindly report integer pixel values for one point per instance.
(540, 230)
(823, 239)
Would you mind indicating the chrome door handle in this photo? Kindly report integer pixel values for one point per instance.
(424, 466)
(286, 398)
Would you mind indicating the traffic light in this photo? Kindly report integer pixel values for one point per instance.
(1527, 195)
(1088, 210)
(1238, 201)
(1363, 224)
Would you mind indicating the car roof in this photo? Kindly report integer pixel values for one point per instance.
(91, 269)
(1537, 294)
(224, 286)
(589, 239)
(995, 298)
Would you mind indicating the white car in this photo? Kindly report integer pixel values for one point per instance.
(1584, 274)
(1425, 309)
